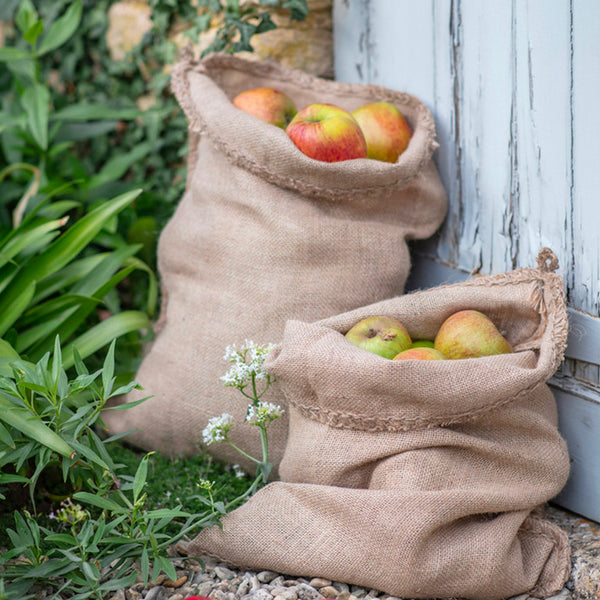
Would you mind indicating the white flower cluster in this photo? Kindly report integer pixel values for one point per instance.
(217, 429)
(247, 362)
(263, 413)
(238, 471)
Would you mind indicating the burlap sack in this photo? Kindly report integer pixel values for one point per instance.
(264, 234)
(418, 478)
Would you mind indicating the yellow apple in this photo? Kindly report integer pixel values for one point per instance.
(470, 334)
(267, 104)
(385, 129)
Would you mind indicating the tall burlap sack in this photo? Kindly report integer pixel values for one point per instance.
(264, 234)
(418, 478)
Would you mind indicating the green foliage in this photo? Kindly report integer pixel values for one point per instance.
(84, 552)
(47, 437)
(240, 21)
(110, 144)
(63, 261)
(89, 553)
(48, 289)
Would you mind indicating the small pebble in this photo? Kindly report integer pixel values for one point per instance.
(176, 597)
(187, 591)
(306, 592)
(329, 591)
(563, 595)
(266, 576)
(153, 593)
(132, 594)
(319, 582)
(341, 587)
(258, 595)
(224, 573)
(343, 595)
(204, 589)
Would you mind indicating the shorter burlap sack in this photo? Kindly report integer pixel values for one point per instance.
(419, 478)
(265, 234)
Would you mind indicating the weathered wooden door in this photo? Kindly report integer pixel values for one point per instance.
(513, 86)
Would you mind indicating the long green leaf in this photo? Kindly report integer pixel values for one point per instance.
(11, 313)
(36, 102)
(152, 283)
(7, 440)
(104, 270)
(31, 426)
(7, 351)
(59, 254)
(70, 320)
(100, 502)
(105, 332)
(62, 29)
(84, 111)
(55, 307)
(21, 242)
(67, 276)
(9, 54)
(139, 481)
(118, 165)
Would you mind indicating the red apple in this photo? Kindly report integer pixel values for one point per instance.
(420, 353)
(267, 104)
(470, 334)
(385, 129)
(384, 336)
(328, 133)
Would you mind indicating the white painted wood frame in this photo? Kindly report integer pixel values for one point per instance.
(513, 86)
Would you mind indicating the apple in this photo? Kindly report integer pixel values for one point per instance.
(470, 334)
(420, 353)
(385, 129)
(267, 104)
(422, 344)
(328, 133)
(384, 336)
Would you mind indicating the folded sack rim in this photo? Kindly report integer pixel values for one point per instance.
(298, 172)
(535, 366)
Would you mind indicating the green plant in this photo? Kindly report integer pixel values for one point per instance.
(90, 552)
(90, 555)
(63, 263)
(240, 21)
(47, 426)
(47, 287)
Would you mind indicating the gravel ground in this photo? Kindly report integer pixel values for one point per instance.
(220, 582)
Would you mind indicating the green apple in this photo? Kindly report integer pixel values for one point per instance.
(267, 104)
(422, 344)
(420, 353)
(385, 129)
(328, 133)
(470, 334)
(384, 336)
